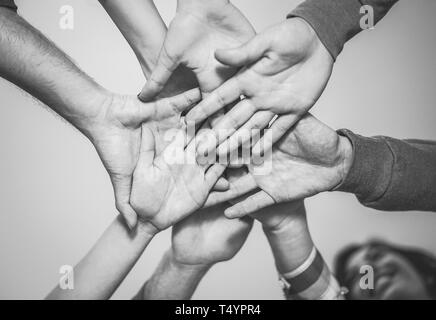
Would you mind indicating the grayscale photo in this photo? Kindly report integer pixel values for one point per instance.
(218, 150)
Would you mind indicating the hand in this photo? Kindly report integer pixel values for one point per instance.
(169, 186)
(309, 159)
(273, 218)
(198, 29)
(286, 70)
(208, 237)
(116, 135)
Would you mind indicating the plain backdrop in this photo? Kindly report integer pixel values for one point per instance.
(56, 198)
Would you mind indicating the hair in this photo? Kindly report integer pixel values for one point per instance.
(423, 262)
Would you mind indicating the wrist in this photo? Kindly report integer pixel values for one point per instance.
(291, 244)
(95, 103)
(146, 230)
(346, 151)
(312, 40)
(187, 268)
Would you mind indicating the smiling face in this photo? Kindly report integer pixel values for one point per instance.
(395, 278)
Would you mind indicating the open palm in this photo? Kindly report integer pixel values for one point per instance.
(286, 68)
(192, 38)
(170, 186)
(116, 135)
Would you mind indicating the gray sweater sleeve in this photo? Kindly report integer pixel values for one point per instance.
(390, 174)
(337, 21)
(8, 4)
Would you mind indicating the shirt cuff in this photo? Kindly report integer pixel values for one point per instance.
(334, 21)
(9, 4)
(371, 168)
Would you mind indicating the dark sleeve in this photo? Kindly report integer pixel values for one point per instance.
(8, 4)
(337, 21)
(390, 174)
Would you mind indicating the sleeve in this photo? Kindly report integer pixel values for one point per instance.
(10, 4)
(390, 174)
(337, 21)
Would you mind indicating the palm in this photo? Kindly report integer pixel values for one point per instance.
(207, 237)
(170, 186)
(116, 135)
(286, 70)
(192, 39)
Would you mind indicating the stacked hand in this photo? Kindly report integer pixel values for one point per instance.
(198, 29)
(309, 159)
(116, 134)
(286, 68)
(170, 186)
(208, 237)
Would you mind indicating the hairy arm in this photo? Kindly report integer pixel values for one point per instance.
(32, 62)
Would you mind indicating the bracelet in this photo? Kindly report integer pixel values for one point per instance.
(304, 276)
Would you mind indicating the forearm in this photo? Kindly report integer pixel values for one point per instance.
(299, 263)
(33, 63)
(172, 280)
(142, 27)
(392, 174)
(337, 21)
(102, 270)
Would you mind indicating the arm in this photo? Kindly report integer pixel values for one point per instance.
(33, 63)
(145, 31)
(302, 270)
(198, 243)
(384, 173)
(172, 280)
(337, 21)
(112, 122)
(101, 271)
(392, 174)
(142, 27)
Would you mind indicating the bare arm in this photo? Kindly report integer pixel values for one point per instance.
(172, 280)
(302, 270)
(102, 270)
(142, 27)
(35, 64)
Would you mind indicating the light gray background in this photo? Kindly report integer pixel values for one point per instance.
(56, 198)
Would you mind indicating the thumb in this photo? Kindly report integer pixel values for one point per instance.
(147, 151)
(161, 74)
(248, 53)
(122, 187)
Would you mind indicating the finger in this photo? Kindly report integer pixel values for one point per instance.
(161, 74)
(217, 100)
(122, 188)
(277, 130)
(238, 188)
(178, 104)
(213, 174)
(147, 151)
(221, 185)
(250, 205)
(246, 54)
(249, 131)
(229, 123)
